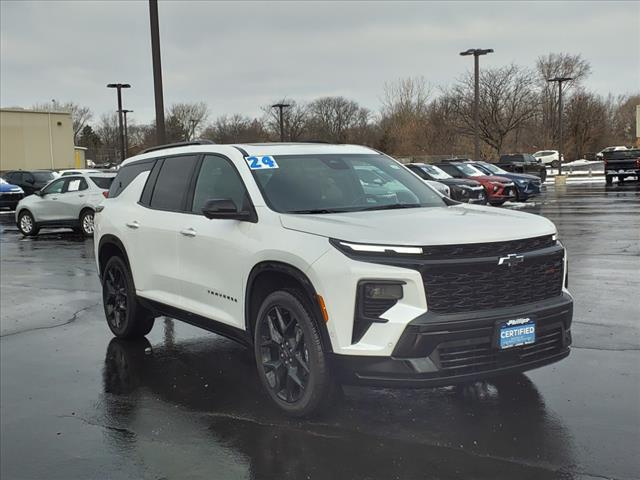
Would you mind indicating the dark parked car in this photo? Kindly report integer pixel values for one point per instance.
(622, 164)
(523, 163)
(462, 189)
(29, 180)
(526, 185)
(10, 195)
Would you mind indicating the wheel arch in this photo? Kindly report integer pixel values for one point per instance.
(269, 276)
(108, 246)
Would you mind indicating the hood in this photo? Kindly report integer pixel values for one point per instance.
(8, 187)
(520, 176)
(460, 181)
(423, 226)
(493, 178)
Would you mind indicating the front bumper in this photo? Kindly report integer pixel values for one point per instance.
(445, 349)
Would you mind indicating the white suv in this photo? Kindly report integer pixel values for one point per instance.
(280, 247)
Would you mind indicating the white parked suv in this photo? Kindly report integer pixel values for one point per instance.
(549, 157)
(67, 201)
(281, 247)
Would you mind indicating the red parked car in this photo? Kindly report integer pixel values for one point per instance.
(499, 189)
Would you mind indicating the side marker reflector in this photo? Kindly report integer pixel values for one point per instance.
(323, 309)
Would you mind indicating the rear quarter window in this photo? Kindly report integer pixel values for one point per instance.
(126, 175)
(102, 182)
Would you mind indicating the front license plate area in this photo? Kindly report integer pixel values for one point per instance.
(516, 333)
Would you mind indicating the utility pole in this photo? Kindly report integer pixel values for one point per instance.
(476, 52)
(560, 81)
(119, 87)
(281, 106)
(161, 137)
(126, 133)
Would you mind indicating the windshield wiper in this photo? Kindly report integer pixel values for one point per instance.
(316, 211)
(390, 207)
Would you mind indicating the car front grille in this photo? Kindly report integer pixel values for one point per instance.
(477, 354)
(472, 286)
(11, 196)
(477, 250)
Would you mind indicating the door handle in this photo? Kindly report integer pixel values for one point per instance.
(189, 232)
(81, 195)
(133, 224)
(54, 198)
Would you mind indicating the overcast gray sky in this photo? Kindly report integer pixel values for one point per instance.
(238, 56)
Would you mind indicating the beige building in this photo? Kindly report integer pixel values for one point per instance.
(32, 140)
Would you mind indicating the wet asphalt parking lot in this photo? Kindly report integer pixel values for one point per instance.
(186, 404)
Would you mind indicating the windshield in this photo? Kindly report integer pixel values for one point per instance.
(490, 168)
(43, 176)
(2, 180)
(435, 172)
(469, 170)
(342, 183)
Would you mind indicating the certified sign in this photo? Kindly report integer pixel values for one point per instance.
(517, 332)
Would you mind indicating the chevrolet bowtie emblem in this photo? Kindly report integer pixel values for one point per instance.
(511, 260)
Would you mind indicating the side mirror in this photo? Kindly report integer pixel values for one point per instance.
(225, 208)
(38, 193)
(29, 180)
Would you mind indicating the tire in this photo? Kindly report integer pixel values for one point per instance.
(125, 316)
(86, 222)
(621, 179)
(555, 163)
(290, 360)
(27, 224)
(609, 180)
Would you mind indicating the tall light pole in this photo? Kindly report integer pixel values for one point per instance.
(119, 87)
(560, 81)
(126, 133)
(281, 106)
(161, 136)
(476, 52)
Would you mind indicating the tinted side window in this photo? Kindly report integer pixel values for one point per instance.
(173, 183)
(217, 179)
(451, 170)
(421, 173)
(102, 182)
(126, 175)
(55, 187)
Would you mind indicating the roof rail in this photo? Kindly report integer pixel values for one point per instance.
(178, 144)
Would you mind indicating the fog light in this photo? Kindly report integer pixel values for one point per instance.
(383, 291)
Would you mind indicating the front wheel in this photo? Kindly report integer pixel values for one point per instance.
(27, 224)
(125, 316)
(291, 363)
(555, 163)
(609, 180)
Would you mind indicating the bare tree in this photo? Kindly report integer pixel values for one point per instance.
(184, 120)
(108, 131)
(404, 122)
(508, 100)
(624, 119)
(332, 118)
(236, 129)
(550, 66)
(586, 118)
(79, 115)
(295, 119)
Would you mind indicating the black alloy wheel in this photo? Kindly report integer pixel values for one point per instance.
(284, 355)
(290, 358)
(125, 317)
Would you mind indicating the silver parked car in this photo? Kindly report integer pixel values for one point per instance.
(69, 201)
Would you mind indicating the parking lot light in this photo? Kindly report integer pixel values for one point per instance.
(119, 87)
(560, 81)
(476, 52)
(281, 106)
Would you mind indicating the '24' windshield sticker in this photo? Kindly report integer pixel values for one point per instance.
(262, 162)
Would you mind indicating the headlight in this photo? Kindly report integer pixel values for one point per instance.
(521, 182)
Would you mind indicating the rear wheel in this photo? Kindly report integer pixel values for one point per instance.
(27, 224)
(125, 316)
(86, 222)
(290, 360)
(555, 163)
(609, 180)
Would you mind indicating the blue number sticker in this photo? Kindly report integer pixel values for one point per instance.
(262, 162)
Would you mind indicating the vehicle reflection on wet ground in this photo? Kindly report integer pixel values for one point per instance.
(184, 403)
